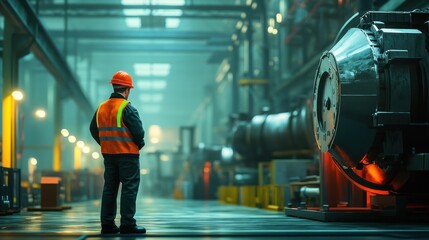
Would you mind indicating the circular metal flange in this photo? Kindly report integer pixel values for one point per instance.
(326, 97)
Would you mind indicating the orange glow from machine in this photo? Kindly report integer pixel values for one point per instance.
(335, 179)
(368, 176)
(374, 174)
(371, 172)
(207, 168)
(206, 178)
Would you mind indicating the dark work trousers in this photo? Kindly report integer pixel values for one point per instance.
(123, 170)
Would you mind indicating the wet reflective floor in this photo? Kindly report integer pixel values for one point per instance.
(191, 219)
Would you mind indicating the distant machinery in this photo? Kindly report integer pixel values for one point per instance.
(206, 167)
(204, 162)
(10, 193)
(280, 149)
(371, 120)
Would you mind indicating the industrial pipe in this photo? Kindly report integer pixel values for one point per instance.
(278, 135)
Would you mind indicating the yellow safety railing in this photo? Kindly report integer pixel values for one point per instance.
(228, 194)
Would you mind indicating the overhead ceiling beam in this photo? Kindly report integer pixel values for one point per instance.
(140, 34)
(215, 15)
(173, 48)
(117, 10)
(25, 21)
(114, 7)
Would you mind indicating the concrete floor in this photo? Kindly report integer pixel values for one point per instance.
(190, 219)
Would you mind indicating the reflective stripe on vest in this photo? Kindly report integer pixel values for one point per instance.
(115, 137)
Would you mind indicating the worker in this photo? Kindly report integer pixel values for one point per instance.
(117, 128)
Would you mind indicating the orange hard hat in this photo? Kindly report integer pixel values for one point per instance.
(122, 78)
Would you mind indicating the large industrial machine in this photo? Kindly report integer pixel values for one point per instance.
(371, 121)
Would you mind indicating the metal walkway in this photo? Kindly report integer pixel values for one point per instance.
(190, 219)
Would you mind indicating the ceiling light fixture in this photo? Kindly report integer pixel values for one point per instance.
(152, 69)
(152, 84)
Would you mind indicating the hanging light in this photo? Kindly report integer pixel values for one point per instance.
(65, 132)
(95, 155)
(40, 113)
(72, 139)
(17, 95)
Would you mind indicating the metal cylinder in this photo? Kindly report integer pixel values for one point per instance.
(309, 192)
(275, 135)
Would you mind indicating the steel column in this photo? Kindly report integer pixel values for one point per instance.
(265, 50)
(234, 70)
(57, 129)
(15, 46)
(249, 36)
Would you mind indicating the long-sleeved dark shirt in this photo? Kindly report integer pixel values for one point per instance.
(132, 121)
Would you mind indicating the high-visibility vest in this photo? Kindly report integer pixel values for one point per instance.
(115, 137)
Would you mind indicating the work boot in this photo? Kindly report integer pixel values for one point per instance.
(124, 229)
(109, 229)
